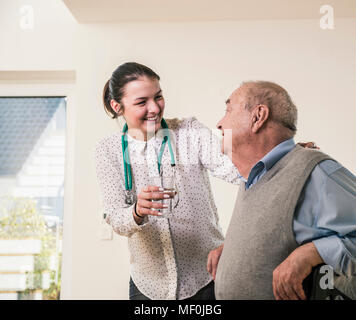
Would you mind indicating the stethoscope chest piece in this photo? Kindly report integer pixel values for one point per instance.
(129, 197)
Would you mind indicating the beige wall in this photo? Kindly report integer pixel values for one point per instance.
(199, 64)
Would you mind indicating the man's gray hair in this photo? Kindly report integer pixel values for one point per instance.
(277, 99)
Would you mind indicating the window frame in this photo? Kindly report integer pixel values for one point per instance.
(52, 87)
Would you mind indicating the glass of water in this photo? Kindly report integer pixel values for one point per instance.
(169, 188)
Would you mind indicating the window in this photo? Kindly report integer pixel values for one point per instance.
(32, 162)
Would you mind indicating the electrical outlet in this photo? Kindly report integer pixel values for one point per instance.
(105, 232)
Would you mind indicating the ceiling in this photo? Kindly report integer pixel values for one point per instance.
(117, 11)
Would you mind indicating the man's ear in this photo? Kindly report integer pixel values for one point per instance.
(115, 106)
(260, 116)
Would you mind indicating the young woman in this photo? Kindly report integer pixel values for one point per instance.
(168, 257)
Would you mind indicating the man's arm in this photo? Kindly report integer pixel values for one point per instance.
(327, 216)
(325, 219)
(289, 275)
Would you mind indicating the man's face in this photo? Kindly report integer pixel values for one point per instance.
(236, 124)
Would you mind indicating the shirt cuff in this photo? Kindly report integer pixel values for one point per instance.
(144, 219)
(123, 221)
(333, 253)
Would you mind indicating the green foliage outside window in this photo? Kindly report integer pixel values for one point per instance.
(20, 219)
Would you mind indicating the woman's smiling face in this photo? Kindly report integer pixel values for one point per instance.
(143, 106)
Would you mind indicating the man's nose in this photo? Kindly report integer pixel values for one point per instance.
(219, 126)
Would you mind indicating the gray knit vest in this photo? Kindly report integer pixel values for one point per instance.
(260, 235)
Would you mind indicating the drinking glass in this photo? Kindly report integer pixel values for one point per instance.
(169, 188)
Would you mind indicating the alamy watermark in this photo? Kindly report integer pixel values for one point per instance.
(327, 20)
(190, 147)
(327, 280)
(27, 19)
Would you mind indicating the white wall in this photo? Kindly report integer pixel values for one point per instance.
(199, 64)
(48, 46)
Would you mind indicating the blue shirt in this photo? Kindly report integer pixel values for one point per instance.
(326, 210)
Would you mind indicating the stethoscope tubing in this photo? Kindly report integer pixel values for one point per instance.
(125, 154)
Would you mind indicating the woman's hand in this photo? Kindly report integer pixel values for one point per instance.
(145, 206)
(213, 260)
(310, 145)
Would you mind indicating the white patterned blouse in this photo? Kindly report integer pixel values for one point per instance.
(168, 257)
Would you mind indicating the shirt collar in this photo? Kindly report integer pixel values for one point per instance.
(268, 161)
(277, 153)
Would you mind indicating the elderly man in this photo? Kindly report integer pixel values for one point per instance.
(296, 207)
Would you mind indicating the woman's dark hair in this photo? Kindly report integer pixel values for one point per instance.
(114, 87)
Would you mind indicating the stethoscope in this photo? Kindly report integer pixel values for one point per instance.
(129, 195)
